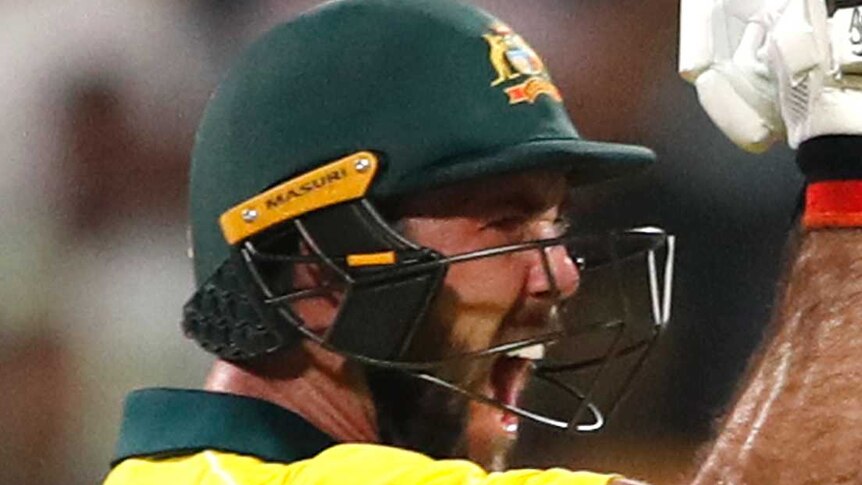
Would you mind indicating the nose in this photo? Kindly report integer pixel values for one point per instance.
(552, 274)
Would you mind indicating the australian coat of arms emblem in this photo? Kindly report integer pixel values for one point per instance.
(513, 59)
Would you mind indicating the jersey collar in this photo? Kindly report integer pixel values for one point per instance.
(170, 422)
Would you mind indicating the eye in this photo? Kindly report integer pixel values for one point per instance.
(506, 223)
(506, 229)
(562, 224)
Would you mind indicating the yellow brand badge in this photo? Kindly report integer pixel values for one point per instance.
(514, 59)
(340, 181)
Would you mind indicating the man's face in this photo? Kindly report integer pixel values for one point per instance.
(483, 302)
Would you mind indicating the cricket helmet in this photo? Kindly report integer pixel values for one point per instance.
(326, 117)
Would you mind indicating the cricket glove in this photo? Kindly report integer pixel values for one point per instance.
(767, 70)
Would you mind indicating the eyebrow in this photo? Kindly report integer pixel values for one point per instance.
(477, 201)
(527, 203)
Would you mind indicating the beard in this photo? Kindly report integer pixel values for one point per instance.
(422, 416)
(418, 415)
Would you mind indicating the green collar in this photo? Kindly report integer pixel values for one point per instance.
(170, 422)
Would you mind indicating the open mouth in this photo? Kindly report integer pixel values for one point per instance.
(509, 376)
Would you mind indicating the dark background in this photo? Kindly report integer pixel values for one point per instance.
(100, 101)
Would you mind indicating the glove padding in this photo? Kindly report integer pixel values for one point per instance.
(775, 69)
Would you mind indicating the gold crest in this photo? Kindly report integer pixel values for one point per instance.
(512, 58)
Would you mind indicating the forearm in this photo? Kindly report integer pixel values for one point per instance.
(799, 418)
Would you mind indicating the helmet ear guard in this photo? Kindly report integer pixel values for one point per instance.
(227, 317)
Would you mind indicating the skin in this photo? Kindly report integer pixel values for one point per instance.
(483, 302)
(798, 418)
(492, 300)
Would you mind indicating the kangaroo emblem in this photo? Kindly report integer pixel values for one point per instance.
(511, 56)
(499, 47)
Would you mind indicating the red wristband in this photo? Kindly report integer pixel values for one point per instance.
(833, 203)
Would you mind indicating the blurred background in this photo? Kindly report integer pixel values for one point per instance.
(99, 103)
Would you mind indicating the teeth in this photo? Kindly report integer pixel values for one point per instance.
(533, 352)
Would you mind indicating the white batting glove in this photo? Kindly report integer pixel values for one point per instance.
(767, 70)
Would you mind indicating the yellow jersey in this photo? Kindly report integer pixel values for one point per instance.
(182, 437)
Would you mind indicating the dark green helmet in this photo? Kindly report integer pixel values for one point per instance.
(439, 90)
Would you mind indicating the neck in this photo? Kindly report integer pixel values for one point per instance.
(322, 387)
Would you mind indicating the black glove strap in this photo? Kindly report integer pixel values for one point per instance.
(832, 157)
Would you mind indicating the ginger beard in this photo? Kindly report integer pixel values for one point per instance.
(483, 303)
(425, 417)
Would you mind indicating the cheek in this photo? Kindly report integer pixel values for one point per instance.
(485, 291)
(492, 282)
(479, 293)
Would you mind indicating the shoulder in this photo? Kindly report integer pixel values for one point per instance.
(369, 462)
(357, 463)
(366, 463)
(346, 463)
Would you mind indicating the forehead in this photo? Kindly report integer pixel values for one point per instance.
(530, 191)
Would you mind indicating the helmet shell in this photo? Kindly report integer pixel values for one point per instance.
(440, 90)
